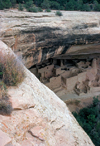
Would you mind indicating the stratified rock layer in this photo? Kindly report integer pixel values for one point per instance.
(39, 36)
(39, 116)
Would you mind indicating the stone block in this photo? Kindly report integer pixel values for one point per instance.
(81, 77)
(58, 71)
(90, 74)
(94, 89)
(46, 69)
(48, 74)
(55, 82)
(66, 74)
(71, 82)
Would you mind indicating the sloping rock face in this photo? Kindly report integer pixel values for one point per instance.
(39, 117)
(37, 37)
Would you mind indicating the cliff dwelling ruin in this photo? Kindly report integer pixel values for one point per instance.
(79, 75)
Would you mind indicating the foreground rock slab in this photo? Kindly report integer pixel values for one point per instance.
(4, 139)
(44, 120)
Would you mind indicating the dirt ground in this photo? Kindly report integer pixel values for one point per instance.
(77, 104)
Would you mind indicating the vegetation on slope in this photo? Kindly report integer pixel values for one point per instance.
(11, 74)
(10, 69)
(32, 5)
(89, 120)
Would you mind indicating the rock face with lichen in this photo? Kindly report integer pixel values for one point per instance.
(39, 117)
(39, 36)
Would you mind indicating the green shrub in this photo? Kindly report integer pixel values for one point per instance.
(62, 8)
(28, 5)
(58, 13)
(70, 5)
(45, 4)
(85, 7)
(74, 5)
(48, 10)
(2, 5)
(20, 7)
(38, 2)
(13, 3)
(95, 101)
(55, 5)
(40, 9)
(21, 1)
(33, 9)
(96, 6)
(6, 4)
(89, 119)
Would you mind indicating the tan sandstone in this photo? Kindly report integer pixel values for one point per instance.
(35, 37)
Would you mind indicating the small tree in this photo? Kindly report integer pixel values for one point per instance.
(89, 119)
(1, 5)
(45, 4)
(13, 2)
(40, 9)
(80, 5)
(38, 2)
(85, 7)
(20, 7)
(70, 5)
(28, 5)
(5, 4)
(96, 6)
(55, 5)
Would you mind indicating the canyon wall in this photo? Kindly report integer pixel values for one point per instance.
(35, 37)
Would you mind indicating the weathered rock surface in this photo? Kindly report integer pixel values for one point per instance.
(40, 118)
(37, 37)
(4, 139)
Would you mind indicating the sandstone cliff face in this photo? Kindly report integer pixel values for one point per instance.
(37, 37)
(39, 117)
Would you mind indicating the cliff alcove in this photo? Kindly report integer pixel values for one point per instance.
(39, 117)
(63, 52)
(40, 37)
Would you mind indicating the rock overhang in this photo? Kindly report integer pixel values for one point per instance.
(37, 37)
